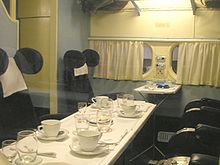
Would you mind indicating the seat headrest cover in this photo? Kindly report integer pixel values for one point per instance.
(3, 61)
(28, 60)
(12, 80)
(81, 71)
(74, 59)
(92, 57)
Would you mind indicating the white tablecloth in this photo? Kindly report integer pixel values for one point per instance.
(145, 89)
(120, 126)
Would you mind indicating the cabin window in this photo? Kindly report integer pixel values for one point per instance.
(147, 58)
(175, 58)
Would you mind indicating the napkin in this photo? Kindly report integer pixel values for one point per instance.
(81, 71)
(4, 160)
(113, 137)
(12, 80)
(144, 106)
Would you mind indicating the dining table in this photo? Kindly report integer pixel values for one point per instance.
(158, 92)
(123, 131)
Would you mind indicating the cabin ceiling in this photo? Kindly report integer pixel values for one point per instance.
(204, 4)
(207, 3)
(90, 6)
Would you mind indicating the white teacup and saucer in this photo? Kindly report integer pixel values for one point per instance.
(101, 102)
(130, 111)
(87, 143)
(50, 130)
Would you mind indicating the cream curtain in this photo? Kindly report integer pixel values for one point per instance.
(199, 64)
(119, 60)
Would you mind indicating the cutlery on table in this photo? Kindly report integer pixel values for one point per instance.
(47, 154)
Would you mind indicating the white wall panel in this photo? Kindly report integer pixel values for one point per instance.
(8, 32)
(165, 24)
(207, 24)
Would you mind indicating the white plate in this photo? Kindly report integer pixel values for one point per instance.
(56, 163)
(92, 119)
(59, 137)
(37, 161)
(99, 150)
(135, 115)
(96, 107)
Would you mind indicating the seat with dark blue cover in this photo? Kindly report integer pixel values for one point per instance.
(204, 111)
(198, 138)
(77, 87)
(16, 109)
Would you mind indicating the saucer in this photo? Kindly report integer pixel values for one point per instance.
(56, 163)
(62, 134)
(99, 150)
(134, 115)
(94, 106)
(92, 121)
(37, 161)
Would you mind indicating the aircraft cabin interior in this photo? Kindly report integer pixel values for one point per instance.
(143, 76)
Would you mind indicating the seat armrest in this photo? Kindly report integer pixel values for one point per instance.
(204, 108)
(203, 159)
(193, 104)
(204, 115)
(211, 109)
(208, 134)
(211, 102)
(197, 103)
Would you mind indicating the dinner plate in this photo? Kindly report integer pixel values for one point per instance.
(134, 115)
(99, 150)
(96, 107)
(92, 119)
(37, 161)
(56, 163)
(62, 134)
(94, 123)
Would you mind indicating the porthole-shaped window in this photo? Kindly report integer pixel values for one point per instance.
(175, 58)
(147, 58)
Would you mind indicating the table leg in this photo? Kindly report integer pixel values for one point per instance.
(153, 146)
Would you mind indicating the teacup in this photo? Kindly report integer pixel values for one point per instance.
(50, 127)
(129, 109)
(128, 99)
(100, 101)
(88, 139)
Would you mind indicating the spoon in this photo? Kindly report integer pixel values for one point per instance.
(47, 154)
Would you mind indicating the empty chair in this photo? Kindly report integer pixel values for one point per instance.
(17, 111)
(197, 140)
(76, 77)
(194, 159)
(204, 110)
(200, 129)
(202, 139)
(77, 84)
(16, 107)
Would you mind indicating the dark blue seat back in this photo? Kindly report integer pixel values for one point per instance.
(16, 110)
(77, 88)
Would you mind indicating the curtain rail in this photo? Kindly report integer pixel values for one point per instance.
(156, 39)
